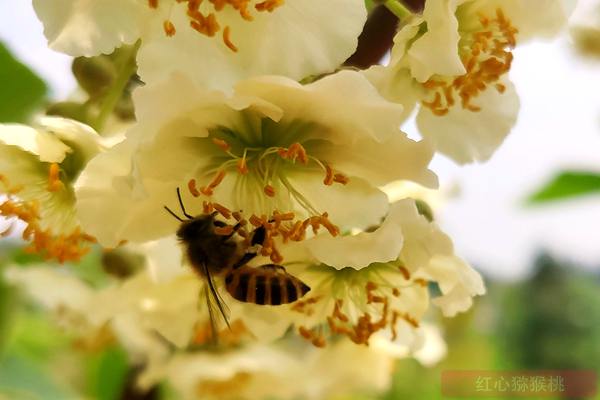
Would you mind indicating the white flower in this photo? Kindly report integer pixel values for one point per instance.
(283, 370)
(38, 167)
(359, 289)
(272, 146)
(454, 60)
(294, 38)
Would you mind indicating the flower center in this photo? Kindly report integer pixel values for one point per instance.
(487, 55)
(265, 158)
(62, 247)
(359, 303)
(203, 17)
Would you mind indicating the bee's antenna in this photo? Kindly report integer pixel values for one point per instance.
(173, 214)
(182, 206)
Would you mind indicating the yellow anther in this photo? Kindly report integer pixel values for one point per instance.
(242, 166)
(227, 39)
(209, 190)
(192, 188)
(169, 28)
(269, 191)
(54, 183)
(268, 5)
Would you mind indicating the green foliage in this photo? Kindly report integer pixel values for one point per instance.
(22, 91)
(567, 185)
(370, 4)
(108, 374)
(552, 321)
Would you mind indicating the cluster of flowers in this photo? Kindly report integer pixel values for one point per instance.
(246, 109)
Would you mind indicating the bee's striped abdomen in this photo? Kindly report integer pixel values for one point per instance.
(268, 284)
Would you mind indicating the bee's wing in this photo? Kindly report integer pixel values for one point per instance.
(213, 302)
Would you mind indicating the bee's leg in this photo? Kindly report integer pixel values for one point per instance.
(245, 259)
(258, 236)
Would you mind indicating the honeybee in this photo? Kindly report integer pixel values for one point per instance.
(213, 254)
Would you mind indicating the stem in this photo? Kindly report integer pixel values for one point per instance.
(126, 68)
(399, 9)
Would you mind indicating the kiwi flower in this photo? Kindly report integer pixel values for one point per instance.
(215, 41)
(454, 61)
(274, 150)
(38, 166)
(379, 281)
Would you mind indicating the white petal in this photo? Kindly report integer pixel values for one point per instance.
(361, 250)
(81, 138)
(296, 40)
(89, 27)
(422, 239)
(345, 105)
(533, 18)
(113, 203)
(355, 205)
(51, 287)
(46, 146)
(458, 282)
(467, 136)
(164, 258)
(398, 158)
(436, 52)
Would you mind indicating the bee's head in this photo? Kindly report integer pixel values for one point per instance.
(198, 227)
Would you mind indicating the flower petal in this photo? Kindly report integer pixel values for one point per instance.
(359, 251)
(467, 136)
(436, 52)
(88, 27)
(533, 18)
(458, 282)
(295, 40)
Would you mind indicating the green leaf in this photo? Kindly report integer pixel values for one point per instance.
(567, 185)
(370, 4)
(22, 91)
(108, 374)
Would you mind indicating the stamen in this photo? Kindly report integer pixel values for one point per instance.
(269, 191)
(404, 272)
(54, 183)
(341, 178)
(169, 28)
(208, 25)
(224, 230)
(62, 247)
(328, 176)
(242, 166)
(268, 5)
(209, 190)
(192, 188)
(488, 56)
(207, 207)
(227, 39)
(224, 211)
(222, 144)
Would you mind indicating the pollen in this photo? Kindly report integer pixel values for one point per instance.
(486, 55)
(269, 191)
(358, 313)
(169, 28)
(202, 16)
(61, 247)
